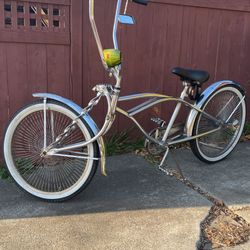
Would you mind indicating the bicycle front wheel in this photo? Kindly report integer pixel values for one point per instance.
(53, 178)
(227, 106)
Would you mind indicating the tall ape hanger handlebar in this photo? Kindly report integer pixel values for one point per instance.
(95, 30)
(114, 53)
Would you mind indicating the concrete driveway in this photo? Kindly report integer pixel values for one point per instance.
(135, 207)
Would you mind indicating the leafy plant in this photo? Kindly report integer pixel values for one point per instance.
(122, 143)
(4, 173)
(247, 128)
(22, 164)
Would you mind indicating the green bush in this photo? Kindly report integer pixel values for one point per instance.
(4, 173)
(247, 128)
(122, 143)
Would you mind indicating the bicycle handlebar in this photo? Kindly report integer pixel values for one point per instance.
(115, 42)
(95, 31)
(142, 2)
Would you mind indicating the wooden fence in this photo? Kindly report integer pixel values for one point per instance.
(47, 45)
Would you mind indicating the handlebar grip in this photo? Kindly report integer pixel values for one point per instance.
(142, 2)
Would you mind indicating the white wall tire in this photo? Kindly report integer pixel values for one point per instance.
(198, 146)
(68, 189)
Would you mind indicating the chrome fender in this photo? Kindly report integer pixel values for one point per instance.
(203, 98)
(87, 118)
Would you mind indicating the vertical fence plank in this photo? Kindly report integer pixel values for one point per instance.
(17, 76)
(1, 14)
(4, 100)
(77, 50)
(58, 65)
(14, 15)
(37, 65)
(26, 16)
(50, 18)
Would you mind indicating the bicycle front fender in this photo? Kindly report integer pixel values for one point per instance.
(203, 98)
(87, 118)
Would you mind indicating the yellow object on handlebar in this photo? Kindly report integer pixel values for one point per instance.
(112, 57)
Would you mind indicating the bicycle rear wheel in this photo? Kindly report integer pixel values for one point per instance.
(223, 105)
(53, 178)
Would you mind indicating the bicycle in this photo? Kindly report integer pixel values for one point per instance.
(52, 147)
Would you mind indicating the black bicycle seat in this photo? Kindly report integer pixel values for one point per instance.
(191, 76)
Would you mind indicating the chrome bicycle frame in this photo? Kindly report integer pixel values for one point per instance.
(110, 94)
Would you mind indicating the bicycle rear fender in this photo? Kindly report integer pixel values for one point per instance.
(87, 118)
(203, 98)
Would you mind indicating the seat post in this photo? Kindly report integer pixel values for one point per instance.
(176, 111)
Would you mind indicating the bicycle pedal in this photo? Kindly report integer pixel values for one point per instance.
(158, 121)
